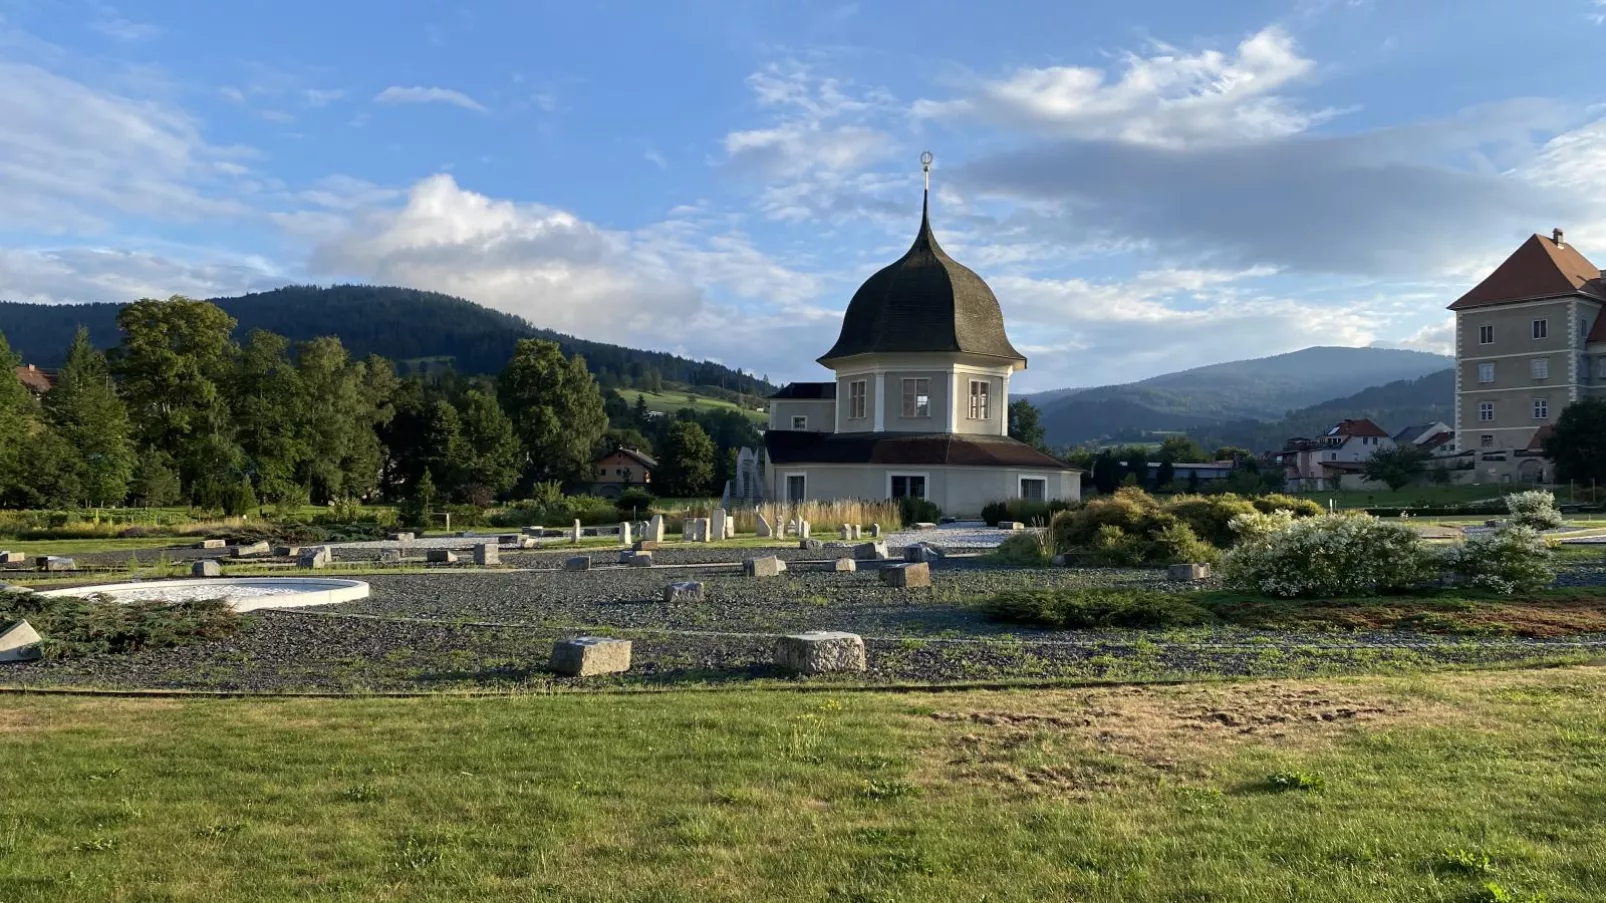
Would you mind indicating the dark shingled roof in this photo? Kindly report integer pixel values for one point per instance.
(1541, 267)
(924, 302)
(787, 447)
(807, 391)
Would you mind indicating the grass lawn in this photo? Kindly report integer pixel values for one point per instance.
(1442, 787)
(84, 546)
(670, 402)
(1415, 496)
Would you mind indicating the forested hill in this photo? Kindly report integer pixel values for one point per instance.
(1392, 406)
(411, 327)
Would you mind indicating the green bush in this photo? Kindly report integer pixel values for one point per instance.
(1022, 550)
(994, 512)
(1512, 560)
(1095, 607)
(635, 502)
(1277, 501)
(1536, 509)
(589, 510)
(1026, 511)
(917, 511)
(1327, 557)
(71, 627)
(1210, 516)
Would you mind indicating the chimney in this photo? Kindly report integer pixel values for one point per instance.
(1555, 236)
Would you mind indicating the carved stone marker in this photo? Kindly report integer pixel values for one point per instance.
(211, 544)
(907, 576)
(820, 652)
(589, 655)
(763, 530)
(768, 566)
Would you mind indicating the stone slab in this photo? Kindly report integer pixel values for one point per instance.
(684, 591)
(401, 537)
(20, 643)
(646, 545)
(315, 558)
(871, 551)
(251, 550)
(55, 563)
(1187, 573)
(211, 544)
(577, 563)
(440, 556)
(921, 551)
(820, 652)
(206, 567)
(287, 551)
(907, 576)
(846, 566)
(1012, 526)
(810, 545)
(767, 566)
(639, 560)
(487, 553)
(12, 558)
(590, 655)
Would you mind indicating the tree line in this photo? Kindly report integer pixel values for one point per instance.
(178, 412)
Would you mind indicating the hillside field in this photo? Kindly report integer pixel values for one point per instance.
(670, 402)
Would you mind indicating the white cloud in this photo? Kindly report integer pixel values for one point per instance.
(396, 94)
(79, 274)
(1439, 338)
(119, 29)
(72, 157)
(319, 97)
(1169, 99)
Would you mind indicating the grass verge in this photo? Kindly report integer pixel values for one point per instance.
(1377, 789)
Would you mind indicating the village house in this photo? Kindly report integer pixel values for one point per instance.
(621, 469)
(1325, 462)
(919, 403)
(36, 380)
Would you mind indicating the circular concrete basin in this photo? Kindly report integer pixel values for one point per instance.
(242, 593)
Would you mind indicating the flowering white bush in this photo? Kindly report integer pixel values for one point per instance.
(1536, 509)
(1260, 524)
(1330, 556)
(1516, 559)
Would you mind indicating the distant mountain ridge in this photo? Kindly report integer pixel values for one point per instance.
(1261, 389)
(1393, 406)
(402, 324)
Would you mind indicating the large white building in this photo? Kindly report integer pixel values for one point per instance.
(919, 403)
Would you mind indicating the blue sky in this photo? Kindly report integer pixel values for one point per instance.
(1146, 186)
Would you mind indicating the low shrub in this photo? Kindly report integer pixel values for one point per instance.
(1355, 555)
(1022, 550)
(1259, 525)
(1210, 516)
(1536, 509)
(72, 628)
(635, 503)
(1129, 529)
(1093, 607)
(1512, 560)
(1277, 501)
(1026, 511)
(562, 511)
(915, 511)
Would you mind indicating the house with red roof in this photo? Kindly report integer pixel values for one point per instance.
(36, 380)
(1323, 462)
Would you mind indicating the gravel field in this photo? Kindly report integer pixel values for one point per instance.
(494, 630)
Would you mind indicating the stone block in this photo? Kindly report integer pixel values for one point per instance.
(947, 520)
(589, 655)
(14, 588)
(907, 576)
(624, 534)
(763, 530)
(768, 566)
(315, 558)
(721, 526)
(1012, 526)
(925, 525)
(871, 551)
(875, 531)
(401, 537)
(922, 551)
(390, 556)
(1187, 573)
(684, 591)
(846, 565)
(639, 560)
(55, 563)
(845, 532)
(287, 551)
(810, 545)
(655, 528)
(487, 553)
(440, 556)
(574, 534)
(211, 544)
(19, 643)
(858, 532)
(802, 529)
(646, 545)
(206, 567)
(820, 652)
(537, 532)
(251, 550)
(12, 558)
(577, 563)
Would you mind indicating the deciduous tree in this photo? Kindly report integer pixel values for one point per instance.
(685, 462)
(1578, 443)
(555, 407)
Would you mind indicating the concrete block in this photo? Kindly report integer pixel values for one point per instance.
(845, 532)
(925, 525)
(922, 551)
(624, 534)
(19, 643)
(251, 550)
(768, 566)
(846, 565)
(871, 551)
(1012, 526)
(875, 531)
(810, 545)
(1187, 573)
(401, 537)
(211, 544)
(440, 556)
(820, 652)
(640, 560)
(487, 553)
(858, 532)
(589, 655)
(315, 558)
(390, 556)
(287, 551)
(645, 545)
(12, 558)
(684, 591)
(537, 532)
(802, 529)
(764, 530)
(206, 567)
(948, 520)
(655, 529)
(577, 563)
(55, 563)
(907, 576)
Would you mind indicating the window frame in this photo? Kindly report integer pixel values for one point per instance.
(1541, 409)
(1486, 368)
(1535, 365)
(1486, 330)
(980, 406)
(1485, 412)
(1041, 481)
(922, 476)
(804, 418)
(1486, 440)
(1541, 328)
(858, 399)
(786, 485)
(912, 398)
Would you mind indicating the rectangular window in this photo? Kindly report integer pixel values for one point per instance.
(856, 396)
(1486, 440)
(1539, 367)
(908, 486)
(1541, 409)
(1033, 490)
(795, 484)
(800, 423)
(1486, 410)
(1486, 373)
(1485, 335)
(917, 398)
(1602, 368)
(1541, 329)
(978, 399)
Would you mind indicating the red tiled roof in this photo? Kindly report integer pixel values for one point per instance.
(1436, 440)
(37, 381)
(1537, 443)
(1541, 267)
(1360, 427)
(1597, 333)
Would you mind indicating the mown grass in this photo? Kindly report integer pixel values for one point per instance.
(85, 546)
(1375, 789)
(1413, 496)
(670, 402)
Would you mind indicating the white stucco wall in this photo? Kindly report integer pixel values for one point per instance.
(959, 491)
